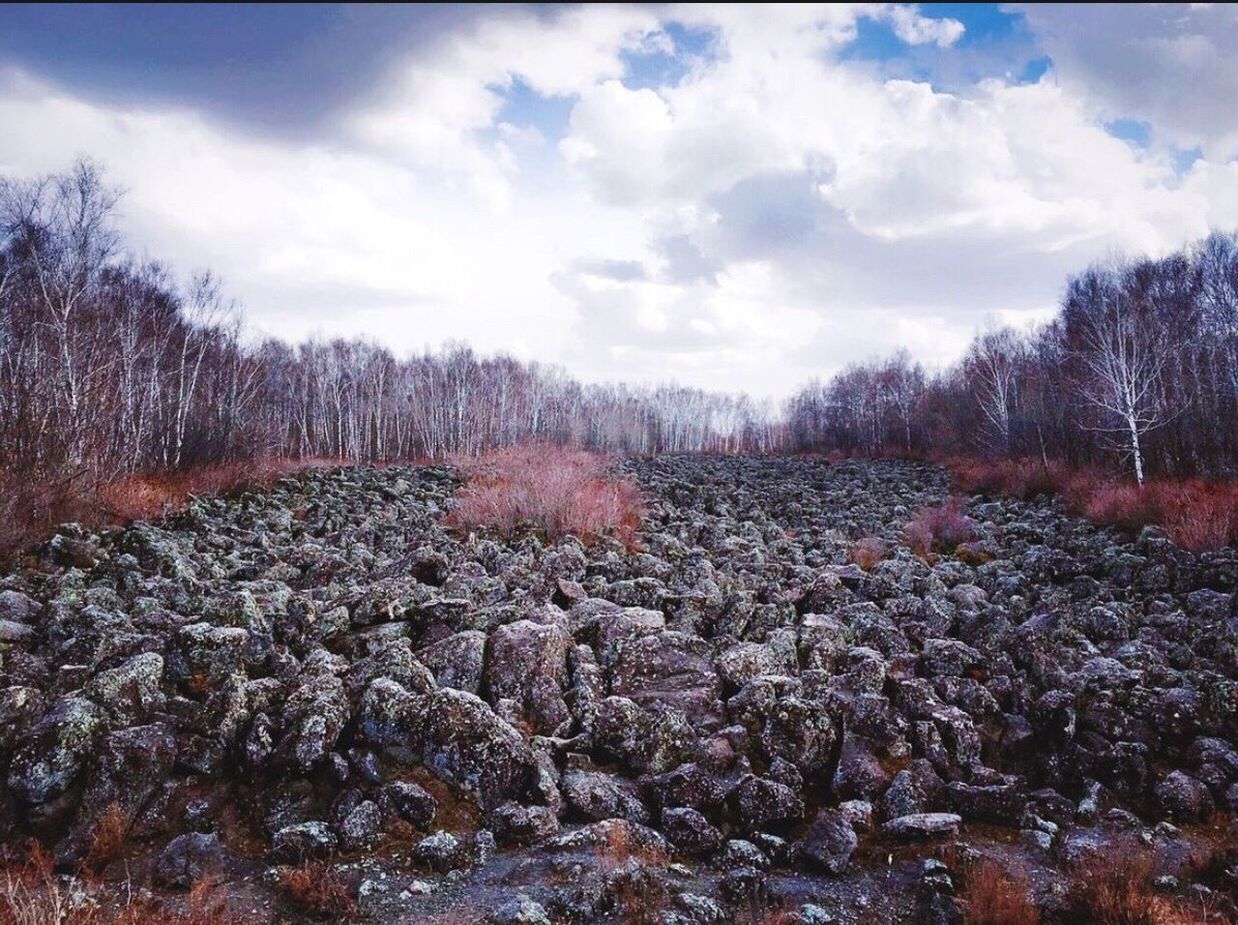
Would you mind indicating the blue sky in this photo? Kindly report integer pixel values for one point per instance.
(729, 196)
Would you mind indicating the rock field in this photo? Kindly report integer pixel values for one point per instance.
(730, 720)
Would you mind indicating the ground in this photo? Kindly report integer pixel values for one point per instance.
(732, 721)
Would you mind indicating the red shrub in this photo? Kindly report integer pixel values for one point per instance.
(1115, 888)
(1198, 514)
(557, 490)
(29, 509)
(995, 896)
(939, 529)
(867, 552)
(317, 889)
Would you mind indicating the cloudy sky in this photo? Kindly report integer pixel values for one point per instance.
(727, 197)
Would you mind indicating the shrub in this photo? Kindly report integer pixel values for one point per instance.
(32, 894)
(995, 896)
(1198, 514)
(1115, 888)
(108, 838)
(867, 552)
(939, 529)
(29, 509)
(315, 887)
(556, 490)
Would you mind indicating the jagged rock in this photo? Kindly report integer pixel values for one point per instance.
(520, 911)
(760, 801)
(921, 826)
(312, 648)
(362, 827)
(441, 851)
(669, 667)
(302, 841)
(457, 661)
(830, 841)
(594, 796)
(689, 831)
(53, 755)
(410, 802)
(1182, 797)
(466, 744)
(527, 663)
(188, 858)
(802, 733)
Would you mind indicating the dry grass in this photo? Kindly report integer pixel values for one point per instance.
(556, 490)
(939, 529)
(867, 552)
(108, 838)
(1198, 514)
(31, 893)
(627, 869)
(316, 888)
(1115, 888)
(996, 896)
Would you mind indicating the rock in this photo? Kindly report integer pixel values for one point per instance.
(999, 803)
(859, 774)
(513, 823)
(17, 607)
(527, 663)
(689, 831)
(55, 752)
(188, 858)
(520, 911)
(921, 826)
(649, 741)
(362, 827)
(745, 661)
(1184, 798)
(313, 717)
(457, 661)
(13, 632)
(594, 796)
(302, 841)
(687, 785)
(201, 654)
(759, 802)
(668, 667)
(409, 802)
(131, 692)
(915, 790)
(802, 733)
(831, 841)
(464, 743)
(441, 851)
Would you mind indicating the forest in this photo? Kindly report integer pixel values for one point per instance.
(112, 366)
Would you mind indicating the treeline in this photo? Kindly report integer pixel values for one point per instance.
(1139, 370)
(109, 366)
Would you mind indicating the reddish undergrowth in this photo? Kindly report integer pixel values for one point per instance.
(30, 509)
(942, 528)
(33, 893)
(867, 552)
(557, 490)
(315, 888)
(1198, 514)
(993, 895)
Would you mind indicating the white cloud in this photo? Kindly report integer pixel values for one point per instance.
(1171, 65)
(768, 213)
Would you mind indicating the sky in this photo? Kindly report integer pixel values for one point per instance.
(724, 196)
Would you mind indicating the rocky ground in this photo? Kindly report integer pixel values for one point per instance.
(728, 722)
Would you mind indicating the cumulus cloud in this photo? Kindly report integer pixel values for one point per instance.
(764, 211)
(1169, 64)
